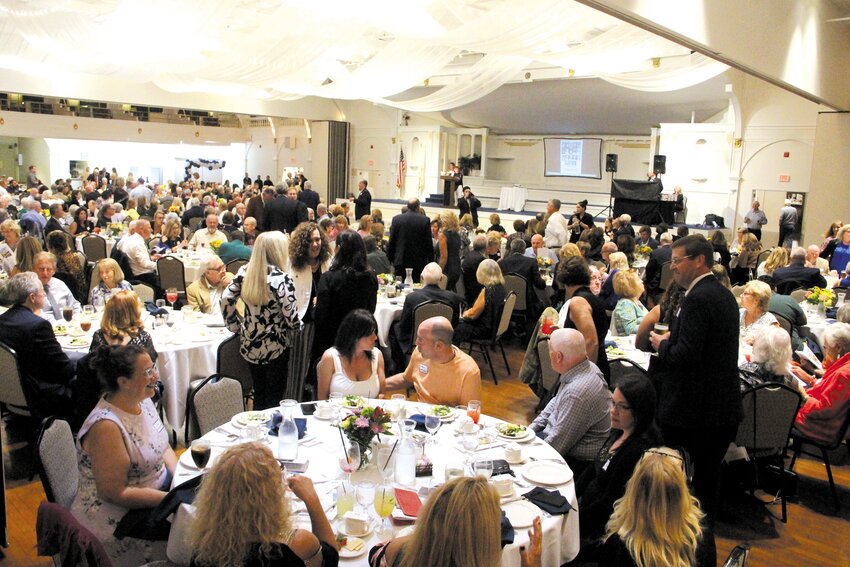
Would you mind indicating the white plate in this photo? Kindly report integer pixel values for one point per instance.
(443, 418)
(326, 418)
(346, 553)
(518, 462)
(547, 473)
(238, 419)
(85, 344)
(529, 435)
(521, 513)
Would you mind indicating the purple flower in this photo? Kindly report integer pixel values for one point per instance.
(376, 428)
(361, 422)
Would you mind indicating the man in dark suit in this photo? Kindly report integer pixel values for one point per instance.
(645, 238)
(796, 275)
(285, 212)
(657, 258)
(309, 197)
(363, 201)
(469, 268)
(56, 213)
(521, 265)
(195, 210)
(401, 332)
(256, 206)
(47, 372)
(469, 203)
(410, 244)
(699, 393)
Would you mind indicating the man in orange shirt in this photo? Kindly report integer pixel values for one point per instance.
(440, 373)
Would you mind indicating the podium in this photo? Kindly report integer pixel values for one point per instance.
(450, 183)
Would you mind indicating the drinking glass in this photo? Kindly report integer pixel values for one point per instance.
(397, 405)
(171, 296)
(97, 303)
(344, 499)
(85, 323)
(483, 468)
(160, 303)
(351, 460)
(473, 410)
(336, 399)
(469, 442)
(200, 451)
(365, 494)
(432, 424)
(88, 310)
(68, 313)
(384, 500)
(386, 457)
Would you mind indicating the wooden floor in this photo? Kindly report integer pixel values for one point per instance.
(816, 535)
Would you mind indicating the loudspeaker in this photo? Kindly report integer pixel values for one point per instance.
(611, 162)
(659, 164)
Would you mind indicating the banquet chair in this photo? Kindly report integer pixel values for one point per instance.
(496, 338)
(298, 366)
(195, 222)
(57, 461)
(231, 363)
(666, 277)
(762, 257)
(798, 295)
(154, 243)
(234, 265)
(769, 413)
(622, 368)
(519, 285)
(237, 235)
(94, 247)
(62, 537)
(427, 310)
(737, 290)
(13, 396)
(798, 439)
(144, 291)
(549, 375)
(172, 274)
(738, 556)
(783, 322)
(214, 402)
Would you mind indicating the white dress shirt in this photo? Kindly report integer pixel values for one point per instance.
(137, 252)
(58, 296)
(557, 231)
(203, 237)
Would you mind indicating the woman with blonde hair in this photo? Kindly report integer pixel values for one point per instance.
(107, 279)
(657, 522)
(616, 261)
(778, 258)
(25, 252)
(480, 320)
(122, 324)
(172, 235)
(448, 248)
(629, 311)
(754, 313)
(459, 524)
(243, 515)
(745, 263)
(268, 294)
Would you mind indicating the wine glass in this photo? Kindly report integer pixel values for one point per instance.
(365, 494)
(469, 442)
(171, 296)
(473, 410)
(483, 468)
(88, 310)
(432, 424)
(397, 405)
(384, 505)
(344, 499)
(68, 313)
(351, 460)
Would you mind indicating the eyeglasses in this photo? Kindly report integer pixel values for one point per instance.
(150, 372)
(677, 261)
(620, 406)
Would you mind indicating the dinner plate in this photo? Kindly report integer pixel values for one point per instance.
(78, 342)
(528, 436)
(347, 553)
(328, 417)
(60, 330)
(521, 513)
(239, 420)
(547, 473)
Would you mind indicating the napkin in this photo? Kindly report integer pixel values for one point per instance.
(151, 308)
(300, 423)
(507, 530)
(151, 523)
(419, 418)
(550, 501)
(501, 466)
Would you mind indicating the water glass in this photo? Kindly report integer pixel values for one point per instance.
(483, 468)
(386, 459)
(365, 495)
(432, 424)
(397, 406)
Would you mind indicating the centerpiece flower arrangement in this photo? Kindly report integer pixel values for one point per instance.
(115, 228)
(544, 262)
(820, 296)
(215, 245)
(385, 279)
(643, 252)
(363, 425)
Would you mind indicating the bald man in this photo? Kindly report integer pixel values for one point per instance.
(576, 421)
(440, 372)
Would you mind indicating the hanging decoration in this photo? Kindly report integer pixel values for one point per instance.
(210, 164)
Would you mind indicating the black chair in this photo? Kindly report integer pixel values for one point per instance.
(622, 368)
(519, 285)
(172, 275)
(798, 439)
(496, 338)
(231, 363)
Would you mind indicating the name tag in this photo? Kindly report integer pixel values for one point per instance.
(159, 425)
(423, 369)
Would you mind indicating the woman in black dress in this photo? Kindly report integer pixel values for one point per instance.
(585, 312)
(479, 321)
(580, 221)
(448, 248)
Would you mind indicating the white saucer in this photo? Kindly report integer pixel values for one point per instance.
(346, 553)
(368, 531)
(516, 462)
(326, 418)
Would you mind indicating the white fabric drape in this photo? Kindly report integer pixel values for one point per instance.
(698, 70)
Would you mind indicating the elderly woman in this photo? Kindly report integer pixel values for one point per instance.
(584, 312)
(107, 279)
(11, 231)
(121, 324)
(778, 258)
(841, 252)
(463, 515)
(354, 366)
(244, 517)
(629, 311)
(827, 402)
(770, 360)
(754, 313)
(310, 257)
(448, 248)
(270, 310)
(480, 320)
(745, 263)
(125, 460)
(616, 261)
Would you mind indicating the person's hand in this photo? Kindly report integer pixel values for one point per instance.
(156, 257)
(655, 339)
(226, 279)
(530, 556)
(302, 487)
(802, 375)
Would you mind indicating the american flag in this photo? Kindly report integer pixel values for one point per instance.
(402, 168)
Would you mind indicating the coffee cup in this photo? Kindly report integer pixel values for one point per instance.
(467, 425)
(504, 486)
(323, 410)
(356, 523)
(513, 453)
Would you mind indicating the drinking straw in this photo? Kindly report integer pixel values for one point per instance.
(390, 456)
(347, 458)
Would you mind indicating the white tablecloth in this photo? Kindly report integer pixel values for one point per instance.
(186, 352)
(192, 261)
(560, 533)
(513, 198)
(387, 311)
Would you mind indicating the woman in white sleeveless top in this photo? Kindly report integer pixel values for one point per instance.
(354, 366)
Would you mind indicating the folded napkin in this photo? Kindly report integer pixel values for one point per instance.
(501, 466)
(419, 418)
(300, 423)
(152, 523)
(507, 530)
(550, 501)
(151, 308)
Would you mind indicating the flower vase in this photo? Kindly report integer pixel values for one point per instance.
(822, 309)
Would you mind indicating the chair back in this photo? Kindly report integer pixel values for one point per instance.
(144, 291)
(52, 520)
(737, 557)
(153, 243)
(769, 413)
(171, 274)
(94, 247)
(123, 262)
(762, 257)
(783, 322)
(231, 363)
(549, 375)
(430, 309)
(737, 290)
(622, 368)
(214, 402)
(518, 285)
(298, 366)
(12, 393)
(237, 235)
(57, 461)
(195, 222)
(234, 265)
(798, 295)
(666, 276)
(507, 313)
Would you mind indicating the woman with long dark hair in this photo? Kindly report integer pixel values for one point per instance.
(354, 365)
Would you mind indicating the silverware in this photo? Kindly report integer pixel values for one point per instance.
(559, 461)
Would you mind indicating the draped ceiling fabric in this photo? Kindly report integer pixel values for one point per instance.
(338, 49)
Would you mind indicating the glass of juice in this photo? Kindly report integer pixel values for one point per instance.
(384, 506)
(473, 410)
(344, 499)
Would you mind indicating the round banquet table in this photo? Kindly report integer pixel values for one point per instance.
(186, 352)
(321, 446)
(386, 311)
(192, 260)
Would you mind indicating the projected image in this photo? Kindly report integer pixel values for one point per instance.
(573, 157)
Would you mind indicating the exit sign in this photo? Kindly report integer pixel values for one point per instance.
(784, 178)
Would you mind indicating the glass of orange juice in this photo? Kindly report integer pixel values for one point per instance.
(473, 410)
